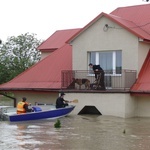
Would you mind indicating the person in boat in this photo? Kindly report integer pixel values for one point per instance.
(22, 106)
(60, 102)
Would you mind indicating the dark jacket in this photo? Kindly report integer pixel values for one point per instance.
(60, 102)
(99, 76)
(26, 108)
(97, 70)
(97, 67)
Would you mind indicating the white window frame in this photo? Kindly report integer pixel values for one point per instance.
(113, 61)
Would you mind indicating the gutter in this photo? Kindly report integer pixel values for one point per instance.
(144, 40)
(140, 93)
(30, 89)
(5, 94)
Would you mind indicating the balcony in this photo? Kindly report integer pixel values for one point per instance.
(114, 80)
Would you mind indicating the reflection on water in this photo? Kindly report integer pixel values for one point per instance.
(88, 132)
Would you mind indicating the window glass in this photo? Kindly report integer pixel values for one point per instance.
(118, 62)
(110, 61)
(105, 60)
(93, 57)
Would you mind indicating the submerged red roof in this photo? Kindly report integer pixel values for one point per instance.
(57, 39)
(46, 74)
(142, 84)
(135, 19)
(138, 15)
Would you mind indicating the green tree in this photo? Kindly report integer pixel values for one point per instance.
(18, 54)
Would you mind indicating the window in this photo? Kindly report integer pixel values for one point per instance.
(110, 61)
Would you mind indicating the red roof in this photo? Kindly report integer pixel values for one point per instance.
(139, 16)
(46, 74)
(135, 19)
(57, 39)
(142, 84)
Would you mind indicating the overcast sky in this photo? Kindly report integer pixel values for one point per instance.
(44, 17)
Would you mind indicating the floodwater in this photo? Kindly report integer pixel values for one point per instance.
(77, 132)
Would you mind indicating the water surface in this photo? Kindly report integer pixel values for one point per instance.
(77, 132)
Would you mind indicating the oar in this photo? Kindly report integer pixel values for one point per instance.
(74, 101)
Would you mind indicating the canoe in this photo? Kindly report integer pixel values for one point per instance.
(40, 114)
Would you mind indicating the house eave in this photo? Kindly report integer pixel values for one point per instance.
(140, 93)
(48, 50)
(144, 40)
(30, 89)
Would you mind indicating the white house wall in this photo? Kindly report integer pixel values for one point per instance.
(143, 51)
(143, 106)
(113, 104)
(39, 97)
(130, 106)
(45, 54)
(96, 39)
(133, 55)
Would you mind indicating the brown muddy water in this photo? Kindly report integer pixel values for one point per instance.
(77, 132)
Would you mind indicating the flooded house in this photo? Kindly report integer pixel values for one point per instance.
(119, 42)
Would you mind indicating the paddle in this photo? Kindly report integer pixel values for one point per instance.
(74, 101)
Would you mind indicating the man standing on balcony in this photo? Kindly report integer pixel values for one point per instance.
(99, 76)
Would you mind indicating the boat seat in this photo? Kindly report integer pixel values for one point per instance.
(36, 109)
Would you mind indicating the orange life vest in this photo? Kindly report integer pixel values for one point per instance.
(20, 108)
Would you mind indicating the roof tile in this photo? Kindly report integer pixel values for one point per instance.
(57, 39)
(46, 73)
(143, 82)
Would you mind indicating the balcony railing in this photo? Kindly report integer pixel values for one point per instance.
(122, 80)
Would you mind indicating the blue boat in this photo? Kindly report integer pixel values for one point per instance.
(41, 114)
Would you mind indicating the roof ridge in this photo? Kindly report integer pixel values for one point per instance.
(125, 20)
(133, 6)
(117, 9)
(136, 25)
(68, 29)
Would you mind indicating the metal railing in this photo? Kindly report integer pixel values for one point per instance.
(122, 80)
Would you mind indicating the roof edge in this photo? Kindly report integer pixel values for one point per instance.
(85, 27)
(124, 26)
(140, 93)
(30, 89)
(109, 17)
